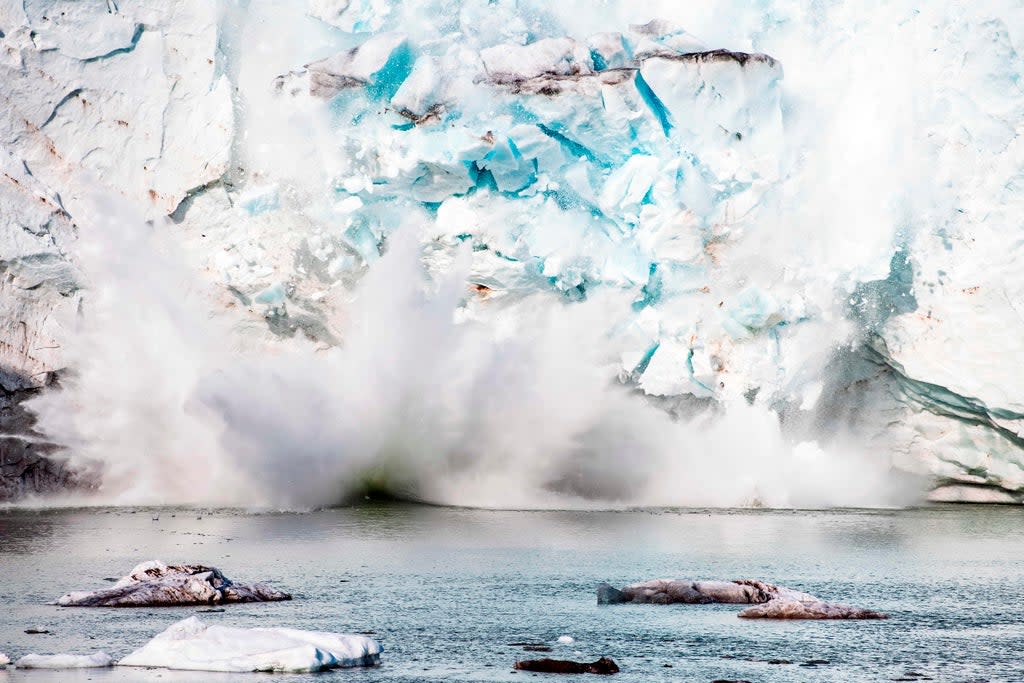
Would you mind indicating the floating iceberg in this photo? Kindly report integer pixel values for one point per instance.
(65, 661)
(4, 659)
(789, 608)
(770, 601)
(155, 583)
(191, 645)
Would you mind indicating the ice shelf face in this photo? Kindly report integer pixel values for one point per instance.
(811, 210)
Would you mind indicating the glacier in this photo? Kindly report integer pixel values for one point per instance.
(498, 253)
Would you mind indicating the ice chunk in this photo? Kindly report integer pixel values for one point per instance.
(548, 57)
(724, 106)
(608, 51)
(380, 64)
(420, 95)
(662, 37)
(566, 640)
(751, 310)
(353, 16)
(273, 297)
(64, 661)
(772, 602)
(259, 199)
(788, 608)
(628, 185)
(4, 659)
(601, 117)
(155, 583)
(506, 165)
(670, 372)
(193, 646)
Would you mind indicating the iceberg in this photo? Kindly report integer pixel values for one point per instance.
(154, 583)
(191, 645)
(65, 661)
(769, 601)
(4, 659)
(788, 608)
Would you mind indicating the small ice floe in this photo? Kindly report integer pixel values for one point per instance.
(191, 645)
(770, 601)
(4, 659)
(565, 640)
(64, 661)
(785, 608)
(154, 583)
(563, 666)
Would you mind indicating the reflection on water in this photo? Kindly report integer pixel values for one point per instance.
(21, 532)
(448, 590)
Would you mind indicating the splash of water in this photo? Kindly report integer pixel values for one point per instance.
(413, 403)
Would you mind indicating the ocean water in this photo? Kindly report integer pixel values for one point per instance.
(447, 591)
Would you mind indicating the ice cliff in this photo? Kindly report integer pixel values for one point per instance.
(786, 228)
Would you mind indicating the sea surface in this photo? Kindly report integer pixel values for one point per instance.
(448, 591)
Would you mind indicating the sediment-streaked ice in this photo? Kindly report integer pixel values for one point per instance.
(770, 601)
(154, 583)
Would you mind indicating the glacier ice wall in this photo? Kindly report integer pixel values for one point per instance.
(504, 254)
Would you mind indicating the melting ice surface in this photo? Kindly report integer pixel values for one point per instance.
(500, 254)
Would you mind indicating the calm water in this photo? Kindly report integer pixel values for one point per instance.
(448, 590)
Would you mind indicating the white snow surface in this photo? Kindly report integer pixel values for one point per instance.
(65, 661)
(192, 645)
(568, 257)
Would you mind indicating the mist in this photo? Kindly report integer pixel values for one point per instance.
(414, 403)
